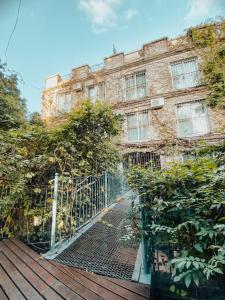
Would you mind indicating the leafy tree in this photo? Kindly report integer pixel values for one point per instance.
(80, 144)
(12, 106)
(35, 119)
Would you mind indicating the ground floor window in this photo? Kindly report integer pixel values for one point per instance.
(145, 159)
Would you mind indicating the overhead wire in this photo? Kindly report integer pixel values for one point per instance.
(19, 76)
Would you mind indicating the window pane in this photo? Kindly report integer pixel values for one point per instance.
(143, 125)
(192, 119)
(200, 125)
(101, 91)
(198, 108)
(61, 101)
(92, 93)
(185, 128)
(200, 122)
(141, 85)
(132, 129)
(143, 119)
(129, 81)
(132, 134)
(140, 79)
(130, 88)
(185, 74)
(183, 111)
(132, 120)
(68, 102)
(177, 69)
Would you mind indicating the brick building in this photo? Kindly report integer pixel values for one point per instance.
(158, 90)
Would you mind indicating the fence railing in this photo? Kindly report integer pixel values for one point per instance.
(67, 204)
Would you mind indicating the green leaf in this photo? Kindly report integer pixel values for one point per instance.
(198, 247)
(188, 264)
(195, 278)
(183, 293)
(172, 288)
(218, 270)
(188, 280)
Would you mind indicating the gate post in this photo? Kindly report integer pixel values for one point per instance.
(54, 213)
(106, 189)
(144, 239)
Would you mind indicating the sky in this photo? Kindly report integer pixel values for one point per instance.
(53, 36)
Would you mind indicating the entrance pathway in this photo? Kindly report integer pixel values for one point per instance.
(102, 249)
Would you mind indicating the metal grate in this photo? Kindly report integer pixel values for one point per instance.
(145, 159)
(101, 249)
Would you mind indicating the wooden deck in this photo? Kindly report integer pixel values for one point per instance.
(26, 275)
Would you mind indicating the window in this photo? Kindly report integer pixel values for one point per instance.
(64, 101)
(145, 159)
(192, 119)
(185, 74)
(135, 86)
(96, 92)
(138, 126)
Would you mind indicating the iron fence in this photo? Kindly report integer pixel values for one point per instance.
(67, 204)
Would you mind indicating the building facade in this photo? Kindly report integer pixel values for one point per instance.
(158, 90)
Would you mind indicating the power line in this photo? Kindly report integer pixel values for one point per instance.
(14, 28)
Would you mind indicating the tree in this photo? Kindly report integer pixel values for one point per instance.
(12, 106)
(80, 144)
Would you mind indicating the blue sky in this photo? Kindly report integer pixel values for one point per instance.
(52, 36)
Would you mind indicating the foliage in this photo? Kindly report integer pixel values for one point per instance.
(32, 154)
(211, 36)
(186, 205)
(12, 106)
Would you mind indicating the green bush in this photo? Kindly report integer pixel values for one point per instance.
(186, 203)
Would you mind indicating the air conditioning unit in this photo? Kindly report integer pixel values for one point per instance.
(78, 86)
(157, 102)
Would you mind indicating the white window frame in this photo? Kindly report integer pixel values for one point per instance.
(64, 95)
(138, 127)
(96, 97)
(206, 116)
(182, 62)
(134, 75)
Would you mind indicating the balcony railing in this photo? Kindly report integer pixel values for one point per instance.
(96, 67)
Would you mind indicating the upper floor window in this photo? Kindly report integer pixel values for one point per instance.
(138, 126)
(96, 92)
(64, 101)
(135, 86)
(192, 119)
(185, 73)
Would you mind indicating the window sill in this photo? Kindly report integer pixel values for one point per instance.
(194, 135)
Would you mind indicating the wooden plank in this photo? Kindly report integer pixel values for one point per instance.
(56, 284)
(141, 289)
(28, 291)
(75, 286)
(121, 291)
(9, 287)
(2, 294)
(30, 276)
(98, 289)
(118, 289)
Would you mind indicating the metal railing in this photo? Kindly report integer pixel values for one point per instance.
(96, 67)
(67, 204)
